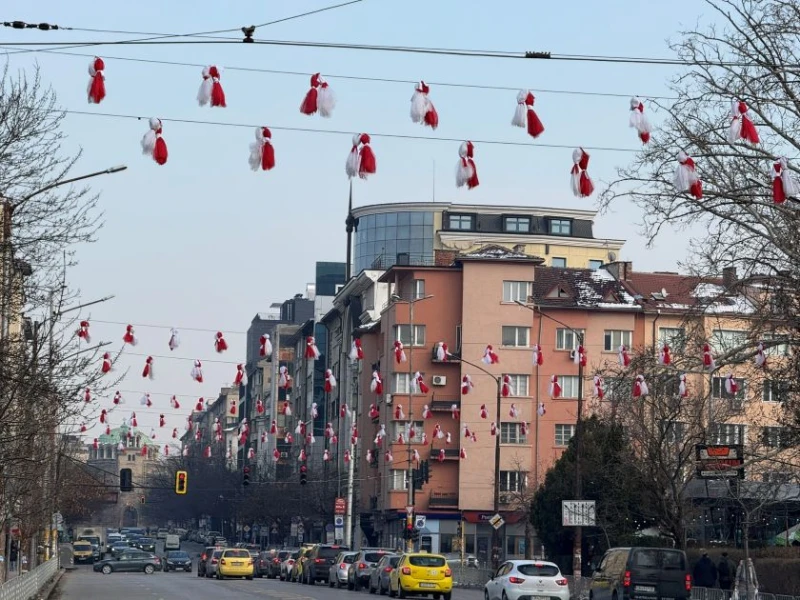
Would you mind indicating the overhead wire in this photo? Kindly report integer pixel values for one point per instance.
(167, 327)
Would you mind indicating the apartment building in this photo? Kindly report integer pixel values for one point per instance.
(202, 439)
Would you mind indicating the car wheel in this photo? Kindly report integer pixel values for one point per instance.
(149, 569)
(249, 578)
(447, 596)
(381, 589)
(107, 570)
(371, 589)
(357, 584)
(219, 577)
(281, 577)
(350, 586)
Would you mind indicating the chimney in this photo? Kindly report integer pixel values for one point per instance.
(620, 270)
(729, 277)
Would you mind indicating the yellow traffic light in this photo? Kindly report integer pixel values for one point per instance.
(181, 481)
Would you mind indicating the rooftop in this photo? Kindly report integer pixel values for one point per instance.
(679, 293)
(486, 209)
(580, 288)
(121, 433)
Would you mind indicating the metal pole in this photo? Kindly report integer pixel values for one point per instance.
(496, 540)
(577, 548)
(410, 471)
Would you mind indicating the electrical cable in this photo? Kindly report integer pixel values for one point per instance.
(349, 134)
(167, 327)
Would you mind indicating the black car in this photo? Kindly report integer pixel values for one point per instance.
(177, 560)
(129, 561)
(318, 562)
(626, 573)
(146, 544)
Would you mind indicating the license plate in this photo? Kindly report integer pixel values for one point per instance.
(237, 564)
(646, 588)
(433, 572)
(427, 585)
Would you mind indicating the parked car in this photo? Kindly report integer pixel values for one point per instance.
(265, 560)
(337, 572)
(235, 562)
(204, 556)
(212, 562)
(523, 579)
(421, 574)
(129, 561)
(82, 552)
(625, 573)
(297, 569)
(379, 579)
(361, 569)
(318, 562)
(177, 560)
(288, 564)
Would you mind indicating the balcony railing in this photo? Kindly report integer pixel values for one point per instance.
(452, 453)
(445, 403)
(403, 259)
(443, 499)
(454, 356)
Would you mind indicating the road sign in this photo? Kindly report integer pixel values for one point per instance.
(340, 506)
(300, 530)
(497, 521)
(247, 528)
(578, 513)
(419, 521)
(338, 521)
(410, 511)
(719, 462)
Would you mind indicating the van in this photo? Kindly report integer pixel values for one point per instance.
(172, 542)
(641, 574)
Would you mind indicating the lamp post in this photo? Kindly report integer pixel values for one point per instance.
(410, 471)
(577, 548)
(498, 380)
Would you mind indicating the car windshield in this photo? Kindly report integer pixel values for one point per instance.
(349, 559)
(538, 570)
(82, 545)
(147, 541)
(120, 545)
(295, 555)
(421, 560)
(328, 552)
(236, 554)
(394, 560)
(177, 555)
(374, 557)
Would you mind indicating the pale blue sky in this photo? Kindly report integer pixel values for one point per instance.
(203, 242)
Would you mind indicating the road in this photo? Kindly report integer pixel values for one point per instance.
(82, 583)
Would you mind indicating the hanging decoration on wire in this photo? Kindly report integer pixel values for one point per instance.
(422, 109)
(686, 178)
(97, 81)
(319, 99)
(525, 116)
(153, 143)
(211, 92)
(361, 161)
(466, 172)
(582, 186)
(638, 120)
(262, 153)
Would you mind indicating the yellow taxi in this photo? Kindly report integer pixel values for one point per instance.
(420, 573)
(297, 569)
(82, 552)
(235, 562)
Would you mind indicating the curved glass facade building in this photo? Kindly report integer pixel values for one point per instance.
(387, 237)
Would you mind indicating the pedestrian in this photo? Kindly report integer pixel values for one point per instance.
(13, 555)
(725, 572)
(705, 572)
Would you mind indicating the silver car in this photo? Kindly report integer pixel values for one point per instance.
(379, 580)
(212, 562)
(359, 572)
(337, 574)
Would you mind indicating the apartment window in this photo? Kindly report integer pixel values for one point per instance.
(560, 227)
(519, 384)
(516, 291)
(674, 431)
(781, 349)
(399, 427)
(403, 333)
(511, 433)
(726, 433)
(595, 264)
(614, 338)
(774, 391)
(566, 339)
(558, 262)
(462, 222)
(398, 479)
(418, 288)
(718, 388)
(131, 458)
(517, 224)
(564, 434)
(774, 437)
(458, 338)
(569, 385)
(724, 340)
(401, 383)
(512, 481)
(674, 337)
(517, 337)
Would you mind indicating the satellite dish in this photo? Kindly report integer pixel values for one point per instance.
(664, 293)
(612, 256)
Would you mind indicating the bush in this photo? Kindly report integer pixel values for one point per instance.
(777, 569)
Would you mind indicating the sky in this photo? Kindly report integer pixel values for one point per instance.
(203, 243)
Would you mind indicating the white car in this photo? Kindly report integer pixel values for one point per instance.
(529, 578)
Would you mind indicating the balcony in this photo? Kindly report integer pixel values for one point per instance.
(452, 359)
(452, 453)
(444, 403)
(443, 500)
(403, 259)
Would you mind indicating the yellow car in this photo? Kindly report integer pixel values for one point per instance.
(297, 569)
(235, 562)
(82, 552)
(420, 573)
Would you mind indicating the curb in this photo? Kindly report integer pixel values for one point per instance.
(48, 590)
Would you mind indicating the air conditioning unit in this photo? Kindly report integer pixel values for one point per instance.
(572, 354)
(439, 380)
(506, 498)
(387, 398)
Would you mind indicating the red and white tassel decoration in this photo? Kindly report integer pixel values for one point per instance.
(220, 345)
(251, 453)
(117, 400)
(207, 452)
(638, 120)
(96, 91)
(265, 346)
(284, 379)
(686, 179)
(106, 363)
(388, 457)
(524, 428)
(582, 186)
(83, 332)
(415, 456)
(422, 109)
(330, 381)
(346, 456)
(484, 412)
(173, 402)
(262, 152)
(542, 410)
(326, 455)
(466, 172)
(174, 433)
(761, 356)
(506, 388)
(361, 161)
(665, 355)
(211, 91)
(555, 387)
(134, 420)
(441, 352)
(525, 116)
(538, 357)
(273, 427)
(708, 358)
(153, 144)
(741, 127)
(369, 456)
(83, 428)
(493, 428)
(579, 357)
(174, 339)
(463, 454)
(197, 371)
(162, 420)
(259, 407)
(426, 412)
(144, 400)
(95, 443)
(513, 411)
(640, 387)
(276, 455)
(320, 98)
(623, 357)
(147, 371)
(599, 392)
(241, 376)
(441, 456)
(130, 336)
(356, 352)
(466, 384)
(731, 385)
(312, 352)
(683, 388)
(103, 415)
(455, 412)
(199, 405)
(399, 352)
(399, 415)
(314, 410)
(376, 385)
(784, 184)
(490, 356)
(87, 395)
(418, 384)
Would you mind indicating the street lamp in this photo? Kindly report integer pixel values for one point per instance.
(577, 548)
(410, 472)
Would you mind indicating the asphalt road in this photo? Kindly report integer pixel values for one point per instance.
(82, 583)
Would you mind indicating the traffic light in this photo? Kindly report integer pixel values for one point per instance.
(125, 480)
(415, 535)
(303, 474)
(246, 476)
(425, 467)
(141, 500)
(181, 482)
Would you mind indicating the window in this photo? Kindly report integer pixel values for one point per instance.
(560, 227)
(519, 384)
(418, 290)
(775, 437)
(511, 433)
(403, 333)
(726, 433)
(566, 338)
(774, 391)
(512, 481)
(674, 337)
(724, 340)
(516, 336)
(674, 432)
(564, 434)
(402, 383)
(614, 338)
(779, 349)
(514, 291)
(462, 222)
(517, 224)
(399, 427)
(398, 479)
(569, 385)
(458, 339)
(558, 262)
(595, 264)
(718, 388)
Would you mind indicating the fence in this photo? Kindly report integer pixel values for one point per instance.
(28, 585)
